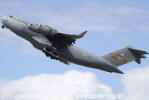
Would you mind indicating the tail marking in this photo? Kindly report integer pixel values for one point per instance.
(118, 57)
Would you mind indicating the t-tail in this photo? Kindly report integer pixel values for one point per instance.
(124, 56)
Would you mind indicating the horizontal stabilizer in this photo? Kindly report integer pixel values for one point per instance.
(138, 54)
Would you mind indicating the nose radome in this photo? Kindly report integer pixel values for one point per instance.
(4, 19)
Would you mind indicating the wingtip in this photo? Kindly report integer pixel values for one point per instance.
(82, 34)
(147, 52)
(118, 71)
(85, 31)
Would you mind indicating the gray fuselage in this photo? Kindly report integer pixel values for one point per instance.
(72, 54)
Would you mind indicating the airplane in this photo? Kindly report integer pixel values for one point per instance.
(61, 46)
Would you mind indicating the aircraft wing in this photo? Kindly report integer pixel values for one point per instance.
(52, 55)
(124, 56)
(62, 40)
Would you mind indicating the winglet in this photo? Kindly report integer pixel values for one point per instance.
(74, 36)
(80, 35)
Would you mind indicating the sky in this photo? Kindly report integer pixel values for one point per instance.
(27, 74)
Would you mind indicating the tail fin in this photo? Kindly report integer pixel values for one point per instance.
(125, 55)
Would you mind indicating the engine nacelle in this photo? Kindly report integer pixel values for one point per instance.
(42, 29)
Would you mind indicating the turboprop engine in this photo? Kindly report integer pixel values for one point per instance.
(42, 29)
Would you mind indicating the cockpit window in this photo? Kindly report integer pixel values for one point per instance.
(11, 16)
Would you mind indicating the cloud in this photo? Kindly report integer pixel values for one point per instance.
(76, 85)
(104, 18)
(136, 84)
(72, 85)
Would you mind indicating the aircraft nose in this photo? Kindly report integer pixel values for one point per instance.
(4, 19)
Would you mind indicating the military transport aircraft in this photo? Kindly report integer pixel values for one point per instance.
(60, 46)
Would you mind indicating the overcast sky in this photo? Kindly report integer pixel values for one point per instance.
(27, 74)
